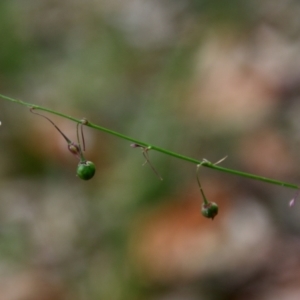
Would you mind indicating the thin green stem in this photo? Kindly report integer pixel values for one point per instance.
(82, 158)
(204, 163)
(200, 186)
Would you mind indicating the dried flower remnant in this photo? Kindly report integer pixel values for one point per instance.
(146, 155)
(292, 202)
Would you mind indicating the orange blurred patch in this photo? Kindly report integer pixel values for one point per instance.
(266, 152)
(174, 242)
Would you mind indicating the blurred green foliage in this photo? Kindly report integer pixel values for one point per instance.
(138, 67)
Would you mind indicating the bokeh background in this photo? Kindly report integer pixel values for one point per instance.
(202, 78)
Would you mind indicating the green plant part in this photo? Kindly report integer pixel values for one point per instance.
(86, 170)
(137, 143)
(209, 210)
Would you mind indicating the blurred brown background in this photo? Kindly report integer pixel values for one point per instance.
(202, 78)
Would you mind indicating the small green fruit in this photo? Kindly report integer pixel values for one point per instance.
(209, 210)
(86, 170)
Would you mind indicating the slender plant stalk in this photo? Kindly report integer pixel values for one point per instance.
(204, 163)
(205, 201)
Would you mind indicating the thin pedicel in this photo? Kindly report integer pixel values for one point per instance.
(208, 209)
(85, 169)
(146, 155)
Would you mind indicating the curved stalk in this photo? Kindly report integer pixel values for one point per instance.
(204, 163)
(200, 186)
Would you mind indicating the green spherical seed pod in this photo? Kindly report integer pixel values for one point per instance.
(86, 170)
(209, 210)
